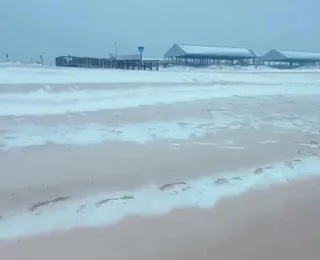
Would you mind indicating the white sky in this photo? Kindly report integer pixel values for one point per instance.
(90, 28)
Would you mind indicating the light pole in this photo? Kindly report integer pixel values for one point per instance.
(116, 49)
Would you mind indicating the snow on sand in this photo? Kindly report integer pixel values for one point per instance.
(85, 148)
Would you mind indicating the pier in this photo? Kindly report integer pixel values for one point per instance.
(126, 62)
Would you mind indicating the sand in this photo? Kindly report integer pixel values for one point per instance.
(45, 172)
(192, 167)
(280, 222)
(133, 148)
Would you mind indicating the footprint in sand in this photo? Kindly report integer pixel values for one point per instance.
(258, 171)
(221, 181)
(175, 187)
(82, 207)
(289, 164)
(269, 167)
(292, 164)
(47, 202)
(106, 201)
(99, 203)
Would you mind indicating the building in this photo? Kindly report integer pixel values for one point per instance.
(197, 55)
(290, 59)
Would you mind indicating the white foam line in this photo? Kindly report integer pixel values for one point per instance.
(231, 147)
(309, 145)
(203, 143)
(203, 193)
(268, 142)
(27, 134)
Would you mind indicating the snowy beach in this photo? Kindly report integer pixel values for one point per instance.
(186, 155)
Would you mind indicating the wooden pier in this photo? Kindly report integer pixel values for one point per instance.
(128, 62)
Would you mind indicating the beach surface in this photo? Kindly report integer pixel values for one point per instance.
(179, 164)
(280, 222)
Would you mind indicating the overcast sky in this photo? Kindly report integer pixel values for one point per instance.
(90, 27)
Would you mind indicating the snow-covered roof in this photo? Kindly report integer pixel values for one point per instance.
(300, 55)
(180, 50)
(278, 55)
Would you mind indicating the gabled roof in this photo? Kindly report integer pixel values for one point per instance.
(188, 50)
(280, 55)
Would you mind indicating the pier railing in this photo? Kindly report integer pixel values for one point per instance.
(106, 63)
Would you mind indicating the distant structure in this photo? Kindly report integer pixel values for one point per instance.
(41, 60)
(193, 55)
(198, 55)
(132, 62)
(129, 57)
(290, 59)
